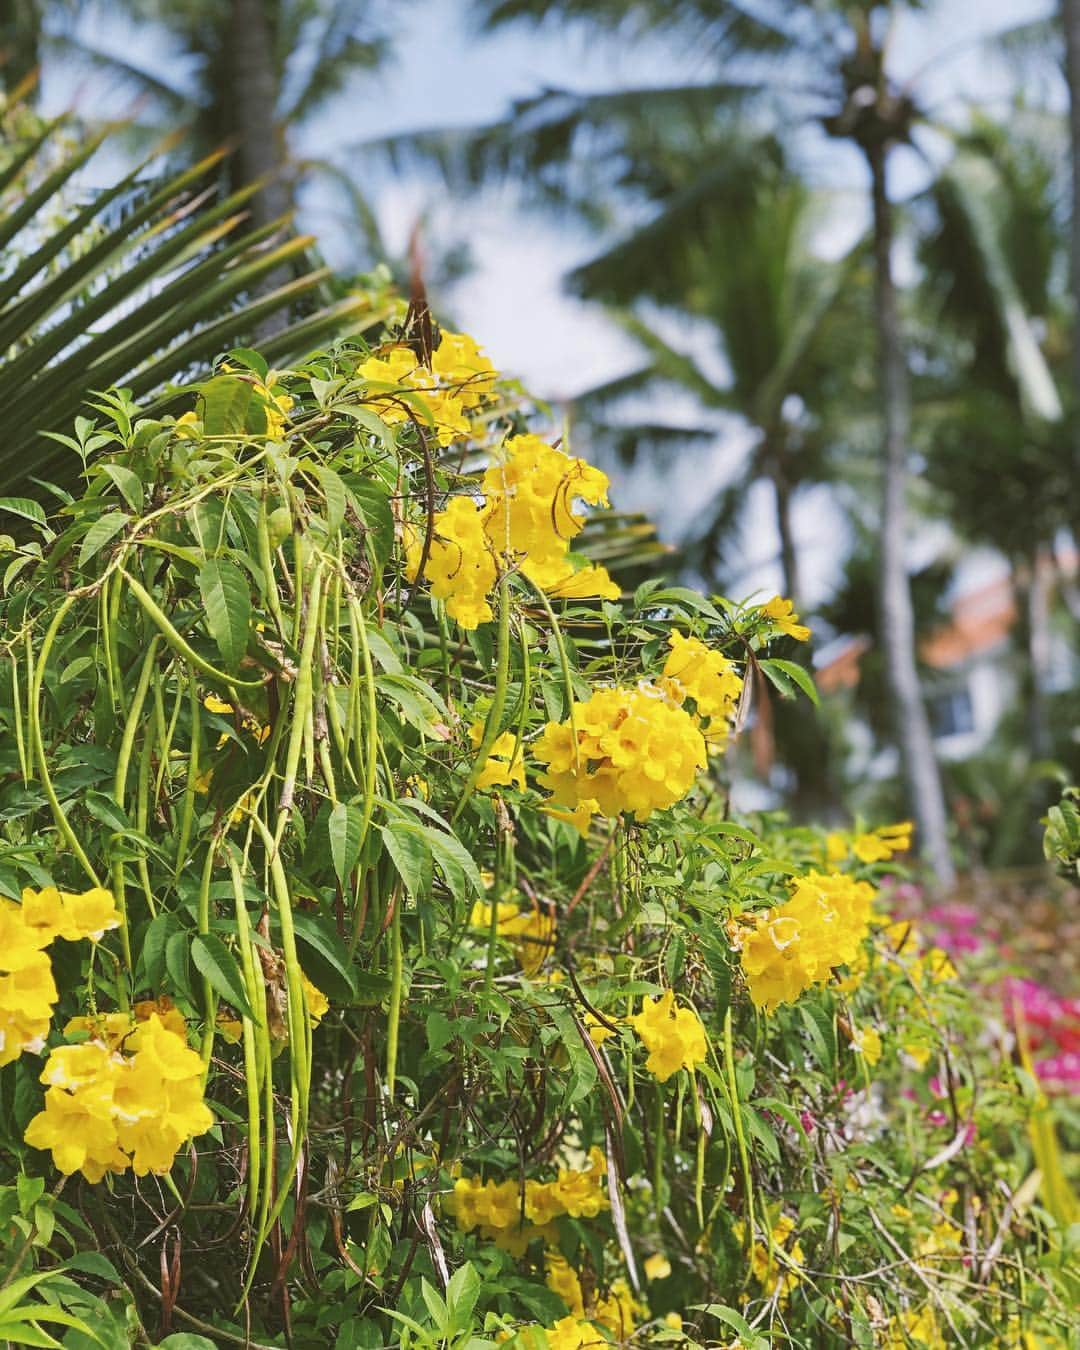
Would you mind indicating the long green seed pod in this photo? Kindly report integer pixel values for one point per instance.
(370, 719)
(266, 562)
(106, 641)
(178, 643)
(209, 996)
(115, 591)
(393, 1012)
(16, 704)
(67, 833)
(187, 809)
(131, 727)
(299, 1043)
(257, 999)
(301, 709)
(123, 762)
(740, 1137)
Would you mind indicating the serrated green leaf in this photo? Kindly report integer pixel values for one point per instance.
(216, 962)
(25, 507)
(227, 600)
(345, 828)
(106, 527)
(797, 674)
(129, 483)
(225, 400)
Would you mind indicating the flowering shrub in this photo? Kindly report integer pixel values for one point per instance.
(379, 962)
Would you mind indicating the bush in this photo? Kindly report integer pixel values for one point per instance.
(382, 963)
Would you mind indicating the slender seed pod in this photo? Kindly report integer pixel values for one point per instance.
(209, 996)
(179, 644)
(370, 720)
(301, 708)
(187, 810)
(105, 627)
(266, 562)
(67, 833)
(256, 996)
(393, 1012)
(740, 1137)
(113, 626)
(16, 704)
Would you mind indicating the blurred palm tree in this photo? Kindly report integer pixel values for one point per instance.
(998, 443)
(738, 268)
(245, 73)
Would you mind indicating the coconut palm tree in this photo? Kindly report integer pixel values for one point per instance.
(743, 249)
(1000, 447)
(252, 74)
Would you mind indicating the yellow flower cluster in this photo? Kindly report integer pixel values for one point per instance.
(779, 1269)
(500, 769)
(924, 964)
(249, 721)
(674, 1037)
(781, 613)
(915, 1328)
(128, 1097)
(800, 942)
(531, 933)
(527, 520)
(693, 670)
(512, 1220)
(27, 989)
(617, 1311)
(460, 378)
(623, 750)
(876, 846)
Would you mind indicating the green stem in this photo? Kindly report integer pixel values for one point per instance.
(67, 833)
(393, 1013)
(740, 1137)
(209, 997)
(498, 699)
(187, 810)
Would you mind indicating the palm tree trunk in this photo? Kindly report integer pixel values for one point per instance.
(1071, 21)
(789, 558)
(259, 153)
(897, 617)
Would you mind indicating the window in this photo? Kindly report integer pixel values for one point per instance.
(951, 714)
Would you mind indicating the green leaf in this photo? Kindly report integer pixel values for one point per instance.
(409, 853)
(129, 483)
(345, 828)
(583, 1073)
(245, 356)
(23, 506)
(106, 527)
(334, 494)
(178, 964)
(321, 937)
(185, 1340)
(461, 1295)
(214, 960)
(225, 401)
(225, 594)
(821, 1028)
(158, 932)
(795, 674)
